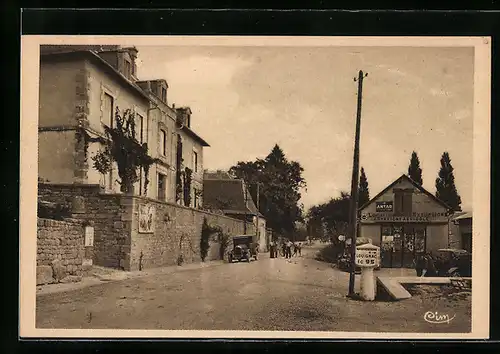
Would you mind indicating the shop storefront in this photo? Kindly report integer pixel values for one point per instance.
(405, 220)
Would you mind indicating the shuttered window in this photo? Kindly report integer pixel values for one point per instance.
(407, 203)
(398, 202)
(403, 202)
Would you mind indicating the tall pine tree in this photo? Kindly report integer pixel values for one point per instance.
(445, 184)
(364, 193)
(414, 170)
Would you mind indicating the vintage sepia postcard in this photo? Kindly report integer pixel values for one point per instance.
(255, 187)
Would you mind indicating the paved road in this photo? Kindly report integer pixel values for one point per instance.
(270, 294)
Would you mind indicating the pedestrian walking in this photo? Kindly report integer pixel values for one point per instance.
(288, 250)
(283, 248)
(294, 245)
(300, 249)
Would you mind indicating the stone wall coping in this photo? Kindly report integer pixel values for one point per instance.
(175, 205)
(88, 185)
(71, 185)
(65, 221)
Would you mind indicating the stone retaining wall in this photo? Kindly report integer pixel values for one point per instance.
(176, 232)
(118, 242)
(60, 250)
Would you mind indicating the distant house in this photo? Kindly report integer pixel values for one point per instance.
(231, 196)
(405, 220)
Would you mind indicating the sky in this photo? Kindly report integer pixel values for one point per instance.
(247, 99)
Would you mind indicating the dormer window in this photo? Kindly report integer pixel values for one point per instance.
(164, 94)
(127, 68)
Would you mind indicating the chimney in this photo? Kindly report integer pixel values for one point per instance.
(132, 51)
(184, 115)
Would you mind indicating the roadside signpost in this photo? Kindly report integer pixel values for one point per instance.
(367, 258)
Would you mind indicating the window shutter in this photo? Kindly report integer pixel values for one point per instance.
(398, 202)
(407, 202)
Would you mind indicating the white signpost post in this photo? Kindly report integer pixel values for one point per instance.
(367, 258)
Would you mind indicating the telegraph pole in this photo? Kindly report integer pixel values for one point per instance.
(257, 230)
(353, 206)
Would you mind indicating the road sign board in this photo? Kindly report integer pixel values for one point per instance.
(367, 255)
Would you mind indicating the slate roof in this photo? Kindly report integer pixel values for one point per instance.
(228, 195)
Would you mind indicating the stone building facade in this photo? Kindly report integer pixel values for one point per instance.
(80, 88)
(405, 220)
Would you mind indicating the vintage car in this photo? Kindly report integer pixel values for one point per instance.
(244, 249)
(452, 262)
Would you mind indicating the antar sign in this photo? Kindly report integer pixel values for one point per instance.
(383, 206)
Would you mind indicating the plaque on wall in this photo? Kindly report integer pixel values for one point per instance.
(383, 206)
(146, 218)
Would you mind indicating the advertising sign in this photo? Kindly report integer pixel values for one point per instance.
(367, 256)
(414, 217)
(384, 206)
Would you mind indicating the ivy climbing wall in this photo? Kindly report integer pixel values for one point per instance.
(176, 232)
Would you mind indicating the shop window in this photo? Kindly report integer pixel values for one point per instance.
(419, 232)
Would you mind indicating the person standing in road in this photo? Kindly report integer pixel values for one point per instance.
(288, 250)
(299, 247)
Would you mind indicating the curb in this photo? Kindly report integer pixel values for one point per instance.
(97, 279)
